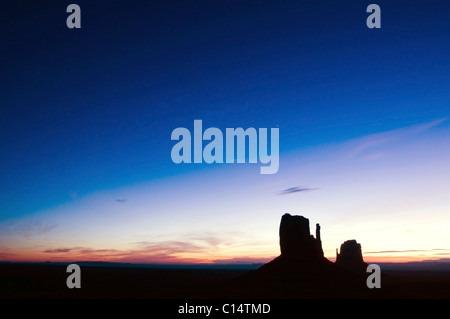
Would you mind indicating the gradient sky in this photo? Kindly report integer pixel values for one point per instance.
(87, 115)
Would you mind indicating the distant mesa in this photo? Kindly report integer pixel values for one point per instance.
(301, 270)
(296, 241)
(351, 257)
(297, 244)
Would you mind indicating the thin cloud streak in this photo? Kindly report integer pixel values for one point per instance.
(405, 251)
(296, 189)
(373, 141)
(57, 250)
(165, 251)
(33, 228)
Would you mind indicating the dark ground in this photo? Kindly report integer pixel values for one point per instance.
(47, 281)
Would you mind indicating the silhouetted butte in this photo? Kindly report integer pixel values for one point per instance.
(300, 271)
(350, 257)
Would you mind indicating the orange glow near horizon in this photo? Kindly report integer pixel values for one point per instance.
(391, 197)
(116, 256)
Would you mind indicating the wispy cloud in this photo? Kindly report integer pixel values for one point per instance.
(174, 247)
(73, 195)
(372, 143)
(121, 200)
(205, 239)
(57, 250)
(33, 228)
(5, 254)
(405, 251)
(189, 247)
(89, 251)
(242, 260)
(164, 251)
(296, 189)
(171, 247)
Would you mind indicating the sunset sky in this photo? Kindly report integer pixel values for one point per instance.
(87, 114)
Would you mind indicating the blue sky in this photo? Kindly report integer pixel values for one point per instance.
(91, 111)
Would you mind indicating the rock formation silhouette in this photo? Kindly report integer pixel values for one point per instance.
(350, 257)
(301, 270)
(296, 240)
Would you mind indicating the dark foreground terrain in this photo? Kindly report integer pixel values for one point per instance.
(49, 281)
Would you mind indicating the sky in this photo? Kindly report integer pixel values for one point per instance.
(87, 116)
